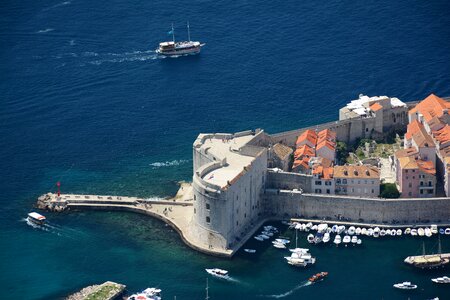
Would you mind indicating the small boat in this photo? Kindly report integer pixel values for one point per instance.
(447, 231)
(364, 231)
(358, 231)
(298, 226)
(318, 277)
(258, 238)
(337, 240)
(354, 240)
(370, 232)
(408, 230)
(268, 233)
(359, 242)
(428, 232)
(266, 237)
(279, 245)
(334, 229)
(394, 232)
(250, 250)
(399, 232)
(310, 238)
(305, 228)
(299, 250)
(441, 231)
(340, 229)
(218, 272)
(434, 229)
(314, 228)
(172, 48)
(413, 232)
(300, 259)
(405, 286)
(421, 231)
(376, 232)
(318, 238)
(326, 237)
(382, 232)
(443, 279)
(322, 227)
(147, 294)
(281, 240)
(346, 240)
(388, 232)
(351, 230)
(36, 218)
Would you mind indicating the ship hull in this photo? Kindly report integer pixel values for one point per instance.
(192, 51)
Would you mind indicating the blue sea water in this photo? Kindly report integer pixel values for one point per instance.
(85, 101)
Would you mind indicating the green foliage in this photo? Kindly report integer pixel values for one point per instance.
(360, 153)
(341, 152)
(389, 190)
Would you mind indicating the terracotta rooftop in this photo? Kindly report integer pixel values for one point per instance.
(309, 135)
(443, 135)
(327, 134)
(406, 152)
(352, 171)
(282, 151)
(323, 172)
(417, 132)
(426, 167)
(304, 151)
(412, 163)
(376, 106)
(432, 106)
(327, 144)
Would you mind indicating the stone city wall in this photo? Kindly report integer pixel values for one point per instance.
(287, 204)
(288, 181)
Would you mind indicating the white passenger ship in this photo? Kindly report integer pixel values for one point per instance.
(36, 218)
(172, 48)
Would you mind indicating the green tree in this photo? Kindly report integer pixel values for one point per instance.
(341, 152)
(389, 190)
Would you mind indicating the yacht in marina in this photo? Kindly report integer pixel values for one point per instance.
(443, 279)
(430, 261)
(147, 294)
(218, 272)
(337, 239)
(300, 259)
(405, 286)
(250, 250)
(173, 48)
(36, 218)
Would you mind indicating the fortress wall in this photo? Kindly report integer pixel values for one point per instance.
(288, 181)
(406, 211)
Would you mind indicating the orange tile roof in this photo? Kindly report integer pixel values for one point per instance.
(412, 128)
(426, 167)
(325, 173)
(443, 135)
(327, 144)
(353, 171)
(417, 132)
(326, 138)
(376, 106)
(304, 151)
(300, 162)
(432, 106)
(309, 135)
(328, 134)
(406, 152)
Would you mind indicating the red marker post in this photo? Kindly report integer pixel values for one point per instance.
(58, 184)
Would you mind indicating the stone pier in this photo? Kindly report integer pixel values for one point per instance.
(177, 212)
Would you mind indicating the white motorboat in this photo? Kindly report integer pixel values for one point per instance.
(407, 231)
(347, 239)
(310, 238)
(359, 242)
(413, 232)
(329, 230)
(428, 232)
(284, 241)
(364, 231)
(36, 218)
(434, 229)
(322, 227)
(421, 231)
(334, 229)
(387, 232)
(358, 230)
(376, 232)
(314, 228)
(337, 239)
(300, 259)
(309, 225)
(447, 231)
(268, 233)
(298, 226)
(250, 250)
(405, 286)
(441, 231)
(218, 272)
(270, 228)
(382, 232)
(393, 232)
(318, 237)
(399, 232)
(370, 232)
(354, 239)
(147, 294)
(172, 48)
(305, 228)
(258, 238)
(326, 237)
(299, 250)
(443, 279)
(351, 230)
(279, 245)
(340, 229)
(266, 237)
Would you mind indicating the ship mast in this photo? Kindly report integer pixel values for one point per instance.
(207, 295)
(189, 33)
(173, 34)
(439, 245)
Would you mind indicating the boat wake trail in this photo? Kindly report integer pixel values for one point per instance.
(303, 284)
(55, 229)
(168, 163)
(120, 57)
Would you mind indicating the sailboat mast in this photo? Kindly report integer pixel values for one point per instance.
(296, 237)
(173, 34)
(189, 33)
(207, 295)
(439, 245)
(423, 248)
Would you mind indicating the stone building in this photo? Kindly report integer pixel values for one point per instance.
(229, 179)
(279, 156)
(352, 180)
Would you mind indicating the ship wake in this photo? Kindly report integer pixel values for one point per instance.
(290, 292)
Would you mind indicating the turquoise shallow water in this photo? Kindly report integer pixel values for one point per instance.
(85, 101)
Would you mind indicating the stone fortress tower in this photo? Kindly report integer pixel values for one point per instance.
(228, 183)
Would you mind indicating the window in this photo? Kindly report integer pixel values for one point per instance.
(409, 194)
(353, 190)
(430, 191)
(328, 191)
(406, 171)
(344, 181)
(245, 215)
(410, 184)
(414, 177)
(318, 191)
(365, 181)
(430, 183)
(195, 211)
(318, 182)
(373, 191)
(414, 171)
(195, 197)
(359, 181)
(421, 192)
(421, 183)
(327, 182)
(406, 177)
(207, 205)
(338, 181)
(208, 220)
(373, 181)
